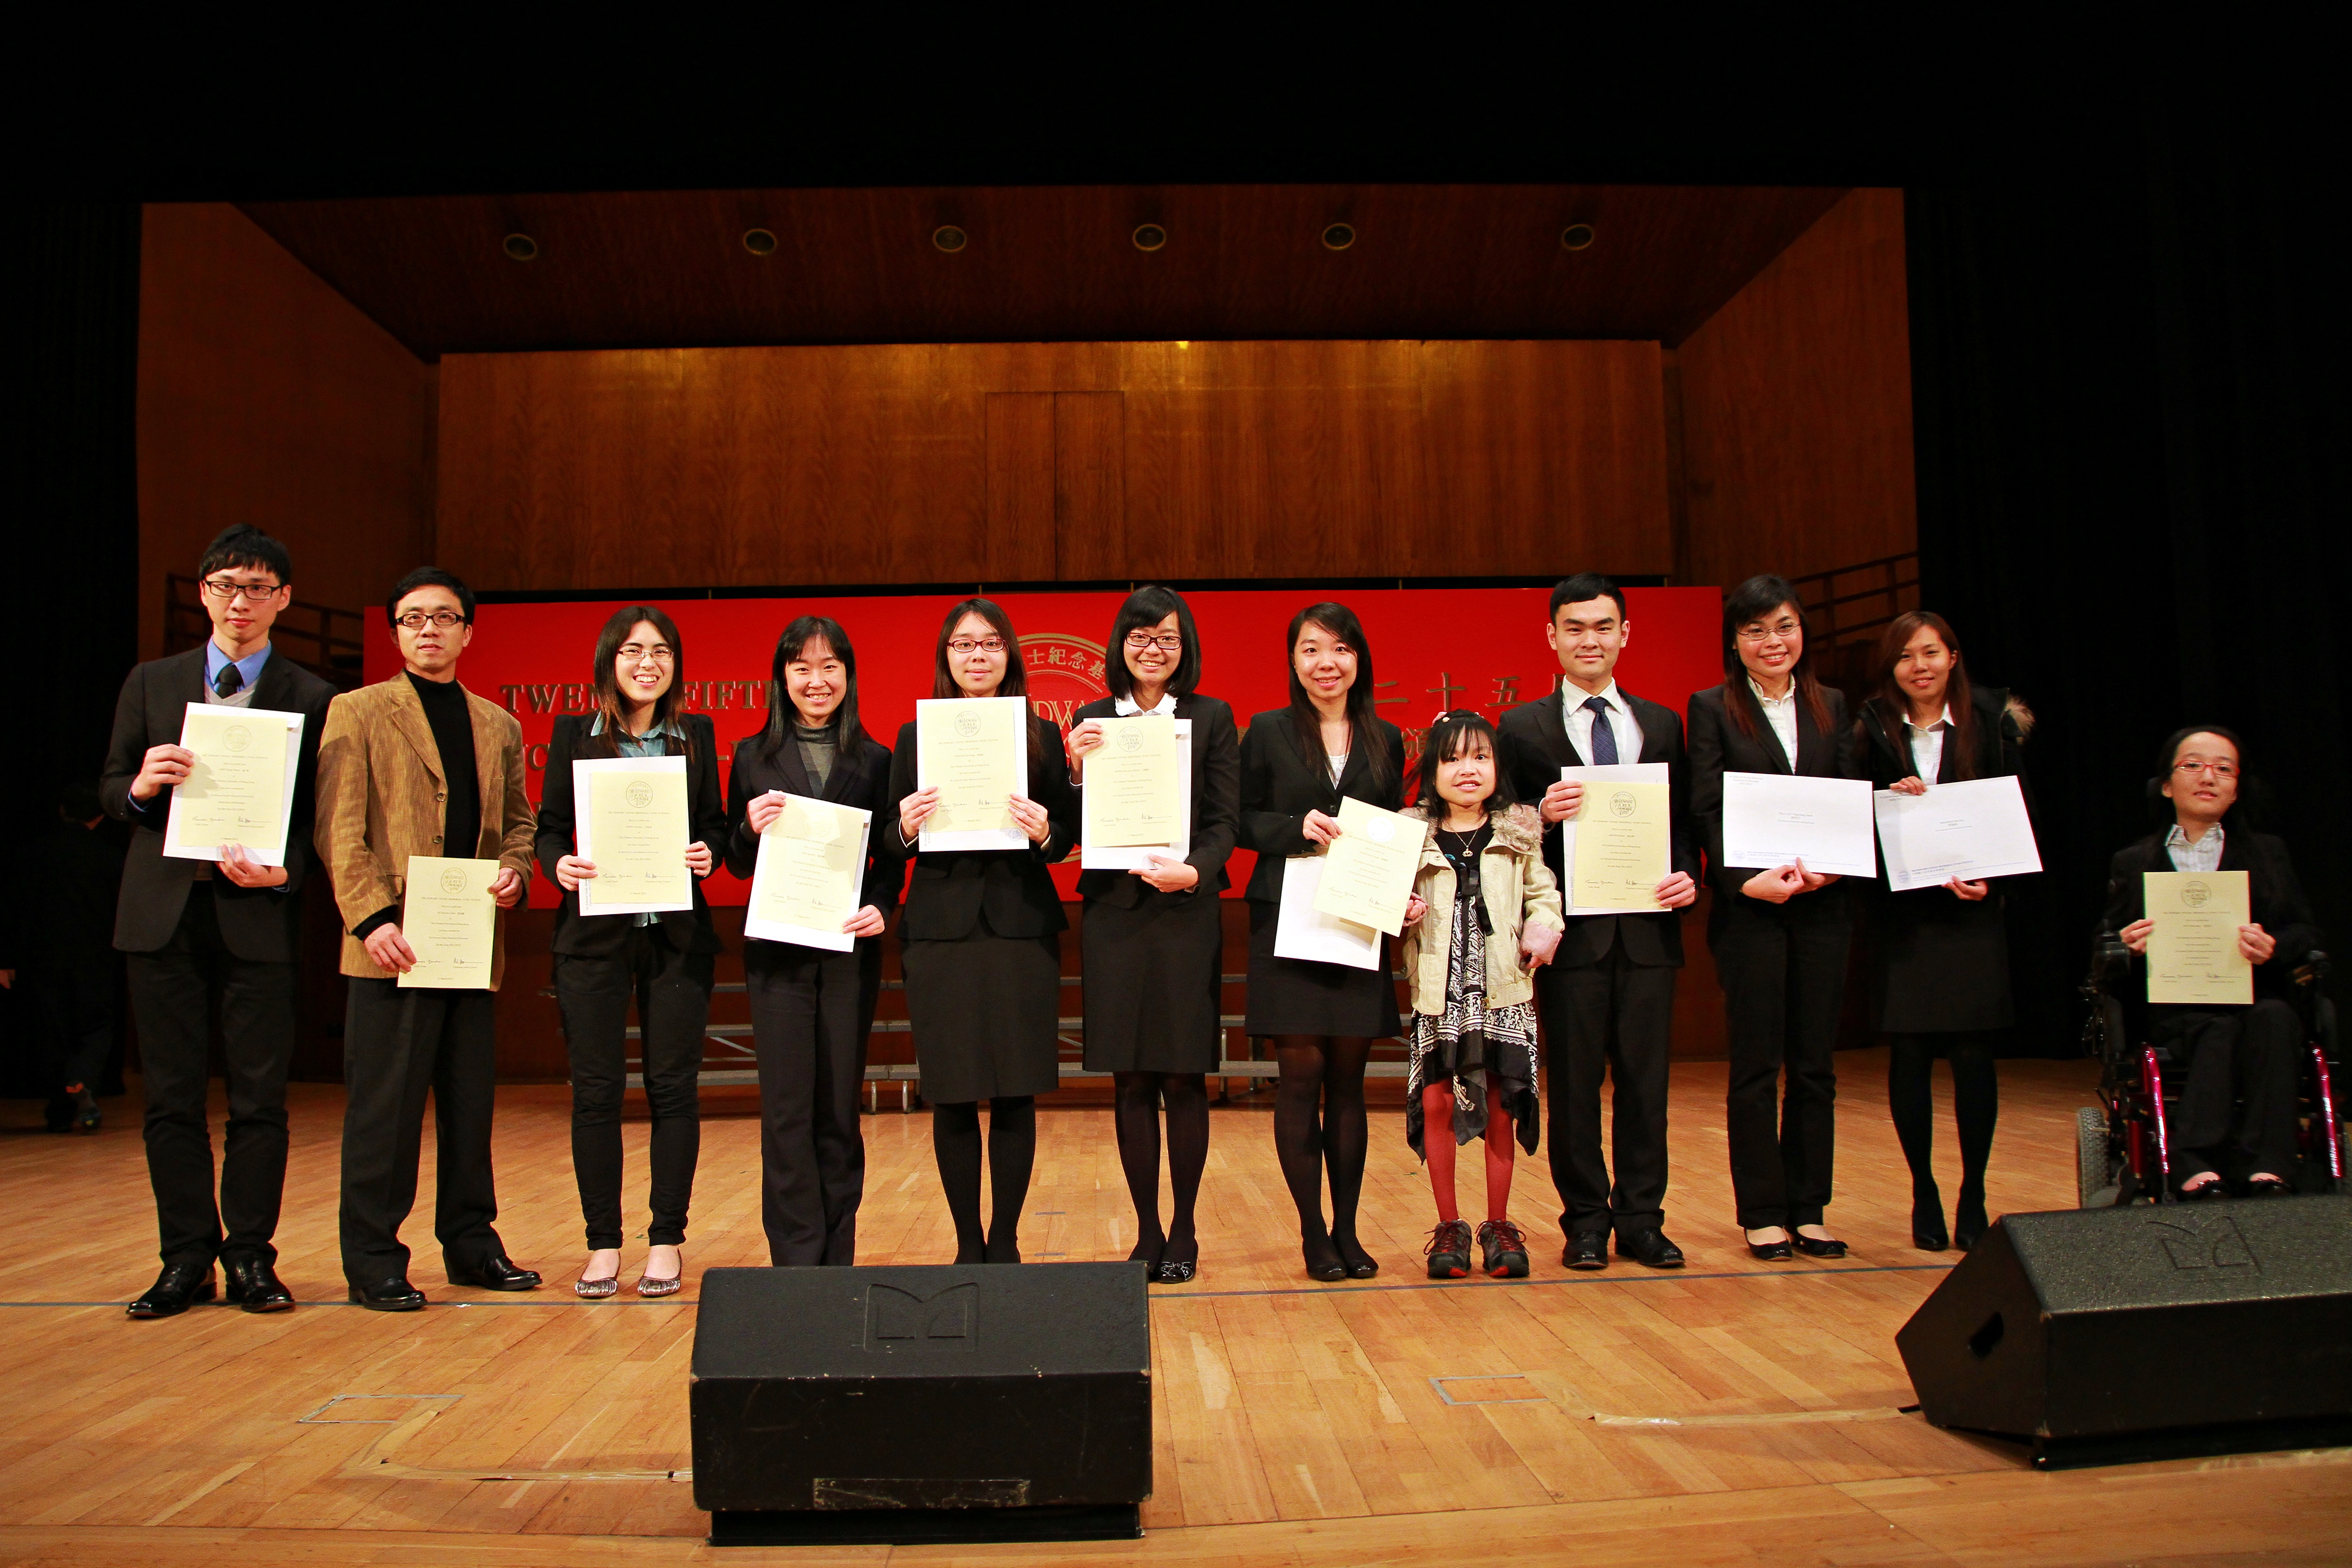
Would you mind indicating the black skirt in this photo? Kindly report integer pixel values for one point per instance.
(1299, 997)
(1151, 975)
(1939, 965)
(986, 1014)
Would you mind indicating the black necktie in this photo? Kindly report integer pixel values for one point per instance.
(228, 682)
(1604, 738)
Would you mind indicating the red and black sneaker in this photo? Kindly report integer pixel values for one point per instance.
(1449, 1250)
(1504, 1249)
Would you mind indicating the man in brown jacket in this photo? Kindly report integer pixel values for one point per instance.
(418, 765)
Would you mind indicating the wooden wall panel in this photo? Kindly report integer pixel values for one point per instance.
(267, 397)
(917, 464)
(1796, 406)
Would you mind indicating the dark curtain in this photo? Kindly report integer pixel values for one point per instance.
(2131, 423)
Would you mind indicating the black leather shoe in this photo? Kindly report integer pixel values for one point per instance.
(1770, 1251)
(1816, 1246)
(2268, 1187)
(1651, 1249)
(1927, 1233)
(1322, 1258)
(1360, 1264)
(493, 1274)
(253, 1285)
(1969, 1221)
(1179, 1261)
(180, 1287)
(393, 1295)
(1586, 1249)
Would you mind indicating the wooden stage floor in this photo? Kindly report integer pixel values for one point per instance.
(1734, 1412)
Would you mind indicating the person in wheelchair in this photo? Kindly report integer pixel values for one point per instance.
(2238, 1110)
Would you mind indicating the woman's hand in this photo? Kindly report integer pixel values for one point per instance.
(764, 809)
(1562, 801)
(2256, 943)
(1168, 874)
(1676, 890)
(1777, 886)
(1969, 892)
(697, 857)
(1815, 880)
(572, 870)
(915, 810)
(1415, 906)
(246, 871)
(1084, 738)
(1318, 828)
(1030, 817)
(866, 921)
(2136, 934)
(506, 888)
(1536, 944)
(1907, 786)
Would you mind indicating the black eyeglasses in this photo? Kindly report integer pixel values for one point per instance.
(1168, 642)
(414, 620)
(222, 588)
(963, 647)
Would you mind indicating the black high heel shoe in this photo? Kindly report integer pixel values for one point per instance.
(1968, 1221)
(1178, 1263)
(1323, 1260)
(1360, 1265)
(1927, 1233)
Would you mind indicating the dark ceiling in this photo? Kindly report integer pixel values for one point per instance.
(671, 268)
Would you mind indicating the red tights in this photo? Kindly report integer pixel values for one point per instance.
(1437, 1142)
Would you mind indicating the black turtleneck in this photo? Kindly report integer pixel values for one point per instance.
(461, 818)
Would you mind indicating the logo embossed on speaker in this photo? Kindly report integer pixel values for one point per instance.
(2216, 1242)
(898, 1319)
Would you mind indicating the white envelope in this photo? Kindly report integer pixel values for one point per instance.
(1301, 930)
(1771, 819)
(1971, 829)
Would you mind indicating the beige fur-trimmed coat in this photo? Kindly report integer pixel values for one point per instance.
(1521, 897)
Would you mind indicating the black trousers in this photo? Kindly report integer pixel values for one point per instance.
(173, 993)
(1783, 977)
(812, 1011)
(2237, 1107)
(672, 989)
(1613, 1019)
(74, 995)
(397, 1045)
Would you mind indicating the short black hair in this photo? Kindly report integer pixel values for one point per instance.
(1586, 586)
(1145, 608)
(242, 545)
(429, 577)
(1450, 735)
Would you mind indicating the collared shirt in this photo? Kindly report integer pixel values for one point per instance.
(1578, 719)
(1780, 712)
(1125, 708)
(249, 671)
(649, 745)
(1927, 745)
(2205, 855)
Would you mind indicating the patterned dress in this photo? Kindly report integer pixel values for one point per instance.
(1484, 1051)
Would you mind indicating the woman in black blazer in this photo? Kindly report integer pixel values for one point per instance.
(1939, 955)
(664, 961)
(2236, 1120)
(981, 942)
(812, 1008)
(1297, 764)
(1151, 943)
(1780, 934)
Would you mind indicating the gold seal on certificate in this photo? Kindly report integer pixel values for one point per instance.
(1131, 788)
(1368, 870)
(634, 826)
(1623, 845)
(975, 752)
(451, 924)
(2192, 954)
(237, 790)
(808, 880)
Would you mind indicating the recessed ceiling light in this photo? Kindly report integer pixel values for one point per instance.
(759, 242)
(520, 247)
(1576, 236)
(949, 239)
(1149, 237)
(1338, 236)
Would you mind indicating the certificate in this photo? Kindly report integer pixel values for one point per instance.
(975, 752)
(810, 877)
(1600, 803)
(239, 789)
(1622, 847)
(634, 822)
(1303, 930)
(1133, 795)
(1094, 857)
(1773, 820)
(1972, 829)
(2192, 954)
(451, 923)
(1368, 870)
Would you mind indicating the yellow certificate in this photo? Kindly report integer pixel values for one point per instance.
(810, 877)
(975, 752)
(2192, 954)
(451, 924)
(634, 824)
(1368, 870)
(239, 789)
(1622, 847)
(1132, 790)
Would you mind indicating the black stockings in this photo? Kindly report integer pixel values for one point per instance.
(1012, 1153)
(1318, 1124)
(1141, 1097)
(1975, 1097)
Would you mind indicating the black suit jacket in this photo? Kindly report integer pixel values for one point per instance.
(860, 778)
(1217, 803)
(1280, 784)
(260, 923)
(1536, 746)
(1718, 746)
(1883, 755)
(952, 887)
(2273, 896)
(597, 936)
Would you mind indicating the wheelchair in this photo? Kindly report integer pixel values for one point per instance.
(2121, 1152)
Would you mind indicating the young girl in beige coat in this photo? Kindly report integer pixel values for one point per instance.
(1485, 914)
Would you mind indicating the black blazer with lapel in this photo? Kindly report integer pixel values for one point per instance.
(951, 888)
(260, 923)
(1216, 804)
(598, 936)
(1536, 746)
(1280, 784)
(1717, 747)
(2273, 895)
(860, 778)
(1884, 756)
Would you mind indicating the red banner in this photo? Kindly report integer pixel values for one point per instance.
(1434, 648)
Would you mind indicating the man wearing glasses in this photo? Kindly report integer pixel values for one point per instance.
(202, 937)
(418, 765)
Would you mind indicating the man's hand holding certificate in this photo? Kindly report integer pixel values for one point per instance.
(1619, 846)
(237, 788)
(805, 885)
(1779, 819)
(2195, 952)
(449, 916)
(1368, 871)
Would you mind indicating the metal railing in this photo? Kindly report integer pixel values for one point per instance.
(1850, 604)
(321, 638)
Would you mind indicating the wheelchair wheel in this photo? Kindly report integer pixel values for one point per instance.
(2096, 1163)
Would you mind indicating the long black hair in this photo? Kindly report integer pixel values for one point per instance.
(848, 733)
(1144, 609)
(1894, 705)
(1363, 718)
(1752, 601)
(1451, 735)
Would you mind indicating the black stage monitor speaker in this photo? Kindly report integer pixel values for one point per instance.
(912, 1405)
(2104, 1336)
